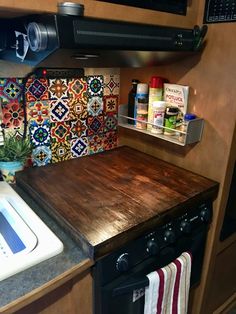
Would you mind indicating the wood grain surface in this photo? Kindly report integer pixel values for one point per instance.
(107, 199)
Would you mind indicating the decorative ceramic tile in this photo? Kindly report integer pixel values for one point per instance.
(36, 89)
(79, 147)
(110, 103)
(77, 88)
(12, 115)
(40, 134)
(78, 108)
(78, 128)
(95, 86)
(110, 123)
(41, 155)
(67, 118)
(95, 124)
(61, 151)
(110, 140)
(95, 106)
(58, 88)
(11, 88)
(38, 111)
(111, 84)
(95, 144)
(60, 131)
(60, 110)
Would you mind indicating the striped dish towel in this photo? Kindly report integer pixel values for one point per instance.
(168, 288)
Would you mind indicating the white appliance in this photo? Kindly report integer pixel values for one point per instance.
(25, 240)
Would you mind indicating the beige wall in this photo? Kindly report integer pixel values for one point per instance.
(211, 77)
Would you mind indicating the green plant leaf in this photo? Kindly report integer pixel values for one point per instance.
(15, 149)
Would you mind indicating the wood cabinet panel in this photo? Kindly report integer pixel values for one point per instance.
(74, 297)
(104, 10)
(223, 283)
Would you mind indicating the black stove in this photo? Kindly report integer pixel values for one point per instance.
(121, 276)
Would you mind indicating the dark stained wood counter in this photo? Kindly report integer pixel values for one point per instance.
(107, 199)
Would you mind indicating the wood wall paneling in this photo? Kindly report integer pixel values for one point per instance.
(224, 279)
(101, 9)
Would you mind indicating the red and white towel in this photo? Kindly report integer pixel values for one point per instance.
(168, 288)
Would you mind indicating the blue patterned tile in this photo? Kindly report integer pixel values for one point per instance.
(40, 134)
(60, 110)
(95, 86)
(41, 155)
(95, 124)
(36, 89)
(95, 106)
(79, 147)
(11, 88)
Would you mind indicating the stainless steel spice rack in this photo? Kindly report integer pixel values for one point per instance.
(192, 135)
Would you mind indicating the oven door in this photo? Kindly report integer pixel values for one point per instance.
(125, 294)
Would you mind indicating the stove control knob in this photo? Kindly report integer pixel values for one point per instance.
(205, 215)
(185, 226)
(122, 263)
(152, 247)
(169, 236)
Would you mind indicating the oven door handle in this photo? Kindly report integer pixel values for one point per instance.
(133, 284)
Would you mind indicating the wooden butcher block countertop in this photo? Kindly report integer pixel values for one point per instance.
(107, 199)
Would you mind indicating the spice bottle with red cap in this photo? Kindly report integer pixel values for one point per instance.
(155, 94)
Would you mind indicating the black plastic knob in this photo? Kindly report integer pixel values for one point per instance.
(152, 247)
(185, 226)
(169, 236)
(205, 215)
(122, 263)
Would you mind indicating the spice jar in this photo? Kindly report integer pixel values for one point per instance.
(171, 114)
(158, 116)
(184, 126)
(142, 92)
(142, 113)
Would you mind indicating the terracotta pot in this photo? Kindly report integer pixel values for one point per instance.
(9, 168)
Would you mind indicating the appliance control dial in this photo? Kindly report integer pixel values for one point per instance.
(205, 214)
(152, 247)
(185, 226)
(122, 263)
(169, 236)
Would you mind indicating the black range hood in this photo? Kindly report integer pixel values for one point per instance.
(74, 41)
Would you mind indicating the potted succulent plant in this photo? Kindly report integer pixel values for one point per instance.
(13, 154)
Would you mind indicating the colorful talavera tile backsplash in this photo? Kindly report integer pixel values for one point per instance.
(66, 118)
